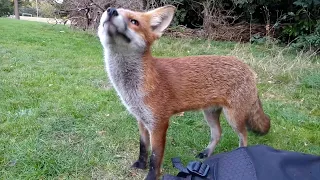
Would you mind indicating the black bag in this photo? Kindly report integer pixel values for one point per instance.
(251, 163)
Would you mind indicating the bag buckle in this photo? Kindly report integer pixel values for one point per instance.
(198, 168)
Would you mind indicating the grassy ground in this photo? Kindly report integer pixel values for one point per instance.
(60, 119)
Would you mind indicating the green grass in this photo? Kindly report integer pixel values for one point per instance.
(59, 118)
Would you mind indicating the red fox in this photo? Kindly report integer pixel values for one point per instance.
(154, 89)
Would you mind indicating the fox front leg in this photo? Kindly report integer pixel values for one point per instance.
(141, 163)
(158, 141)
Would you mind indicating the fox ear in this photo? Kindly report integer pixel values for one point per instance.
(161, 18)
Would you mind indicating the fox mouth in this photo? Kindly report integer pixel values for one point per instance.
(113, 30)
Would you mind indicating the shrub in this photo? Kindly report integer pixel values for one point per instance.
(310, 41)
(6, 8)
(46, 9)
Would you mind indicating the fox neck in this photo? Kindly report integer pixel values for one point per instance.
(126, 72)
(127, 66)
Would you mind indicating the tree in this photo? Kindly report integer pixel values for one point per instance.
(16, 9)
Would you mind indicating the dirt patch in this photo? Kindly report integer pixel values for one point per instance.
(241, 32)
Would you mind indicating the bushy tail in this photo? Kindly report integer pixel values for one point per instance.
(258, 122)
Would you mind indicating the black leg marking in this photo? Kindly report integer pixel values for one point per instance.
(203, 154)
(152, 175)
(141, 163)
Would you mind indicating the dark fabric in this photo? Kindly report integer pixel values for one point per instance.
(285, 165)
(258, 163)
(234, 165)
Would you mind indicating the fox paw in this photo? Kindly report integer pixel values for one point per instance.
(139, 165)
(203, 154)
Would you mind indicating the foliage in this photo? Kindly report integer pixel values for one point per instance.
(258, 39)
(304, 19)
(310, 41)
(46, 9)
(305, 25)
(6, 8)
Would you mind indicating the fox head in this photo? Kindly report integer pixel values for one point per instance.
(125, 30)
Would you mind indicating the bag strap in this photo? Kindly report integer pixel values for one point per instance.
(196, 168)
(176, 162)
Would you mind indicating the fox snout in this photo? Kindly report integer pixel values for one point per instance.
(114, 24)
(112, 12)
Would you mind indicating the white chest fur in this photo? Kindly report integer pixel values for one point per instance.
(126, 75)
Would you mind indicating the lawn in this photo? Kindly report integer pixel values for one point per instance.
(61, 119)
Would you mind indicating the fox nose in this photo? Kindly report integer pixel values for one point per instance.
(112, 12)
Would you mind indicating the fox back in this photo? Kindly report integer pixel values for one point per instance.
(153, 89)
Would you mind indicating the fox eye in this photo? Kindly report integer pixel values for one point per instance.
(135, 22)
